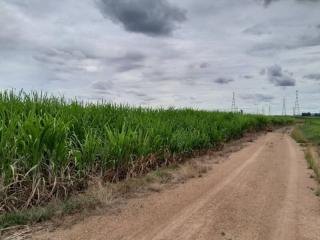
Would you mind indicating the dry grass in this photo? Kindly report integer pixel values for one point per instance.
(297, 135)
(107, 195)
(189, 170)
(313, 161)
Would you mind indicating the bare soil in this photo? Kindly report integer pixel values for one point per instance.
(264, 191)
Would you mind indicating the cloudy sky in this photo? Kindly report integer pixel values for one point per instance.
(165, 52)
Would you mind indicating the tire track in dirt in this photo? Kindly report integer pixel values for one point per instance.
(180, 222)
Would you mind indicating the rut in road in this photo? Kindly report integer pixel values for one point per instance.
(261, 192)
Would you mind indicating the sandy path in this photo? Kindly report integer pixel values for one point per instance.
(261, 192)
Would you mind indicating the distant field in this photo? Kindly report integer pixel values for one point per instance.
(50, 147)
(311, 130)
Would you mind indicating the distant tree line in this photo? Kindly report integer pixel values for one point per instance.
(309, 114)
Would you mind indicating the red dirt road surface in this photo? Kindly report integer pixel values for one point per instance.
(261, 192)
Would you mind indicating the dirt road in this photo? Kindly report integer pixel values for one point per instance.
(261, 192)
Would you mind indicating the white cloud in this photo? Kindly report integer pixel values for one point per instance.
(70, 47)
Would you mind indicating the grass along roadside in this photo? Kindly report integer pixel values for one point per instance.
(313, 161)
(308, 135)
(40, 214)
(101, 197)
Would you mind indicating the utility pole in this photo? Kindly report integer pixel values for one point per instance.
(297, 105)
(233, 106)
(284, 110)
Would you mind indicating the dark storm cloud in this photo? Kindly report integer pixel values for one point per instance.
(314, 76)
(150, 17)
(222, 80)
(278, 77)
(257, 97)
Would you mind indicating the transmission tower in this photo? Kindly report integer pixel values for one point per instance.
(284, 110)
(269, 109)
(297, 105)
(233, 106)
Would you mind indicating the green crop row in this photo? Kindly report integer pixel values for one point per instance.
(49, 145)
